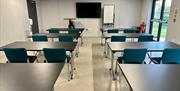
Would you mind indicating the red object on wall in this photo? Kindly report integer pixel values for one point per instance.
(142, 27)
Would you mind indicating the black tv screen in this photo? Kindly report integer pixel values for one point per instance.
(88, 10)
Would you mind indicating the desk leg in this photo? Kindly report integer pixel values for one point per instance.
(72, 64)
(105, 48)
(52, 89)
(79, 44)
(81, 40)
(120, 74)
(112, 66)
(108, 52)
(101, 38)
(77, 47)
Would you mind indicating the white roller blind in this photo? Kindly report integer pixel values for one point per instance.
(108, 14)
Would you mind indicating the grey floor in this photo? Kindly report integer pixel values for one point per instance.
(92, 71)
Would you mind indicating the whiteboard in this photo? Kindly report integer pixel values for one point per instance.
(108, 15)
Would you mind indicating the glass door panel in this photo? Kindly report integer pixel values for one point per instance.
(156, 15)
(159, 18)
(165, 19)
(157, 11)
(155, 28)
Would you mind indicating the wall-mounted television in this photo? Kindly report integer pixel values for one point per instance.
(88, 10)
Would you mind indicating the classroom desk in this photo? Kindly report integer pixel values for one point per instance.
(150, 46)
(128, 35)
(158, 77)
(105, 31)
(38, 46)
(56, 35)
(29, 77)
(66, 29)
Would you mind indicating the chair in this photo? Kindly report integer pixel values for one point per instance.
(57, 55)
(169, 56)
(118, 38)
(112, 31)
(130, 30)
(145, 38)
(77, 31)
(39, 38)
(65, 38)
(132, 56)
(18, 55)
(53, 30)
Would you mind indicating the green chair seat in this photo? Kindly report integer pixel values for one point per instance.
(169, 56)
(18, 55)
(39, 38)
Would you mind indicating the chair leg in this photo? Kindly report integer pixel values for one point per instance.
(116, 67)
(36, 60)
(72, 65)
(52, 89)
(81, 41)
(36, 53)
(77, 49)
(69, 73)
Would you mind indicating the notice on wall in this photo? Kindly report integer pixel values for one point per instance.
(108, 15)
(175, 15)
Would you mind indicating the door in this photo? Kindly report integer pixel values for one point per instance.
(33, 15)
(159, 18)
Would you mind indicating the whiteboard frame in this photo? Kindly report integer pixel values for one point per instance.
(113, 14)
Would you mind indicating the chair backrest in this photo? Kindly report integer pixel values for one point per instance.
(74, 30)
(145, 38)
(118, 38)
(134, 56)
(16, 55)
(129, 30)
(53, 30)
(65, 39)
(171, 56)
(39, 38)
(55, 55)
(112, 31)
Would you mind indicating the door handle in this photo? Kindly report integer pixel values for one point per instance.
(156, 20)
(159, 21)
(163, 21)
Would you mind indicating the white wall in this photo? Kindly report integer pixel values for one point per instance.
(0, 22)
(173, 33)
(146, 13)
(13, 20)
(52, 12)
